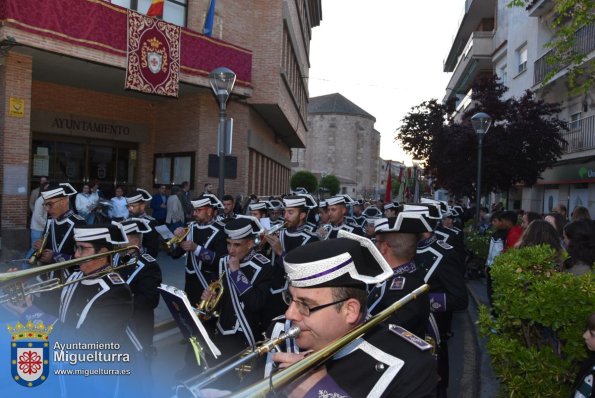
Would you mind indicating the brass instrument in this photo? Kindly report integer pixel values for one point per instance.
(291, 373)
(14, 289)
(192, 386)
(37, 253)
(206, 308)
(326, 228)
(176, 240)
(274, 229)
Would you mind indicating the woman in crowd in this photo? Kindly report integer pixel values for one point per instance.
(579, 238)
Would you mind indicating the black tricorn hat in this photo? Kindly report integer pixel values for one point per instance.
(243, 227)
(61, 190)
(101, 233)
(140, 195)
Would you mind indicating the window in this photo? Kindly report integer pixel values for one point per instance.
(522, 58)
(575, 121)
(174, 168)
(503, 75)
(174, 11)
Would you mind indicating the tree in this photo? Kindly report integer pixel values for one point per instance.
(524, 140)
(571, 20)
(330, 183)
(304, 179)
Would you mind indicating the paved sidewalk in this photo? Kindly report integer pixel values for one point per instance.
(488, 385)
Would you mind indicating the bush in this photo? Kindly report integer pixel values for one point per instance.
(304, 179)
(535, 342)
(331, 184)
(477, 243)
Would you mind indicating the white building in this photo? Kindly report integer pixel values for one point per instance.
(510, 42)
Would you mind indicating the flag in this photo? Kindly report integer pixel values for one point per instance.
(156, 9)
(389, 184)
(208, 28)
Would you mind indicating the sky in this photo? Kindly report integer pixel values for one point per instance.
(385, 56)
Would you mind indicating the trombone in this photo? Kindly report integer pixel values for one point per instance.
(12, 283)
(193, 385)
(291, 373)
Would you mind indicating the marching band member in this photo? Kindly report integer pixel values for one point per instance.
(327, 298)
(205, 244)
(246, 279)
(295, 234)
(448, 292)
(59, 245)
(143, 278)
(275, 207)
(136, 209)
(396, 239)
(337, 210)
(228, 206)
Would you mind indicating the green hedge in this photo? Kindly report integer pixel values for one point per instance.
(535, 341)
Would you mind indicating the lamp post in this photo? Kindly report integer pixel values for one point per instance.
(481, 123)
(222, 81)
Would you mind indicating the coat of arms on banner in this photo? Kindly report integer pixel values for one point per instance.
(30, 353)
(153, 55)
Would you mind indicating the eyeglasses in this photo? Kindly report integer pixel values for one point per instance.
(302, 307)
(51, 204)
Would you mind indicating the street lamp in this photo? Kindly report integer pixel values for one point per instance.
(222, 81)
(481, 123)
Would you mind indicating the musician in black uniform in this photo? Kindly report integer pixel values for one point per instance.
(396, 239)
(337, 210)
(95, 310)
(454, 236)
(358, 218)
(136, 209)
(144, 277)
(246, 279)
(227, 207)
(327, 299)
(448, 292)
(295, 234)
(59, 245)
(275, 208)
(205, 244)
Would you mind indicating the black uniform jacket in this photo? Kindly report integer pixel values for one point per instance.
(439, 262)
(413, 316)
(245, 296)
(378, 364)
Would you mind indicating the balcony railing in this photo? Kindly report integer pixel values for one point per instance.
(581, 135)
(584, 43)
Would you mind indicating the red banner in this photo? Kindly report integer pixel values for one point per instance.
(153, 56)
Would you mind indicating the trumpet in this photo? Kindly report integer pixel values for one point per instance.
(192, 386)
(14, 289)
(176, 240)
(289, 374)
(326, 231)
(274, 229)
(206, 308)
(37, 253)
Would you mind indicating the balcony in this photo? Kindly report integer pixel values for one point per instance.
(584, 44)
(96, 32)
(479, 16)
(475, 58)
(580, 136)
(539, 8)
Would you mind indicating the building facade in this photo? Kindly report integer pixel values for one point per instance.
(341, 140)
(66, 113)
(511, 43)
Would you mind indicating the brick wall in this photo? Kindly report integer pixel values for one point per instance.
(15, 82)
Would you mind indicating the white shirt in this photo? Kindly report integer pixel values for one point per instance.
(40, 216)
(119, 207)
